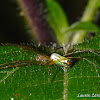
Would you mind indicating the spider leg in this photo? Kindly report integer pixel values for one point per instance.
(12, 66)
(8, 65)
(64, 47)
(58, 49)
(17, 64)
(55, 74)
(84, 59)
(82, 51)
(91, 62)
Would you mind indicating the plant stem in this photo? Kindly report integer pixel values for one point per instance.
(88, 15)
(90, 11)
(34, 14)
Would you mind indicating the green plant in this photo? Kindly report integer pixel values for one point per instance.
(29, 81)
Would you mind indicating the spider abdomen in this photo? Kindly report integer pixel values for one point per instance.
(60, 60)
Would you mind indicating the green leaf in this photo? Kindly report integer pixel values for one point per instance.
(83, 26)
(30, 80)
(84, 76)
(92, 44)
(57, 20)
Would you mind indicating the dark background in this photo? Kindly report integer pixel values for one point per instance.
(13, 29)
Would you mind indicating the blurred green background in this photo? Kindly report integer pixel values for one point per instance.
(13, 28)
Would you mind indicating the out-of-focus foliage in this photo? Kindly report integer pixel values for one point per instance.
(57, 20)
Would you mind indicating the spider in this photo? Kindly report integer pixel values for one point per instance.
(64, 61)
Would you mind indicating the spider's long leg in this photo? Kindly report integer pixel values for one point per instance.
(59, 49)
(65, 48)
(84, 59)
(91, 62)
(17, 64)
(8, 63)
(11, 66)
(55, 74)
(82, 51)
